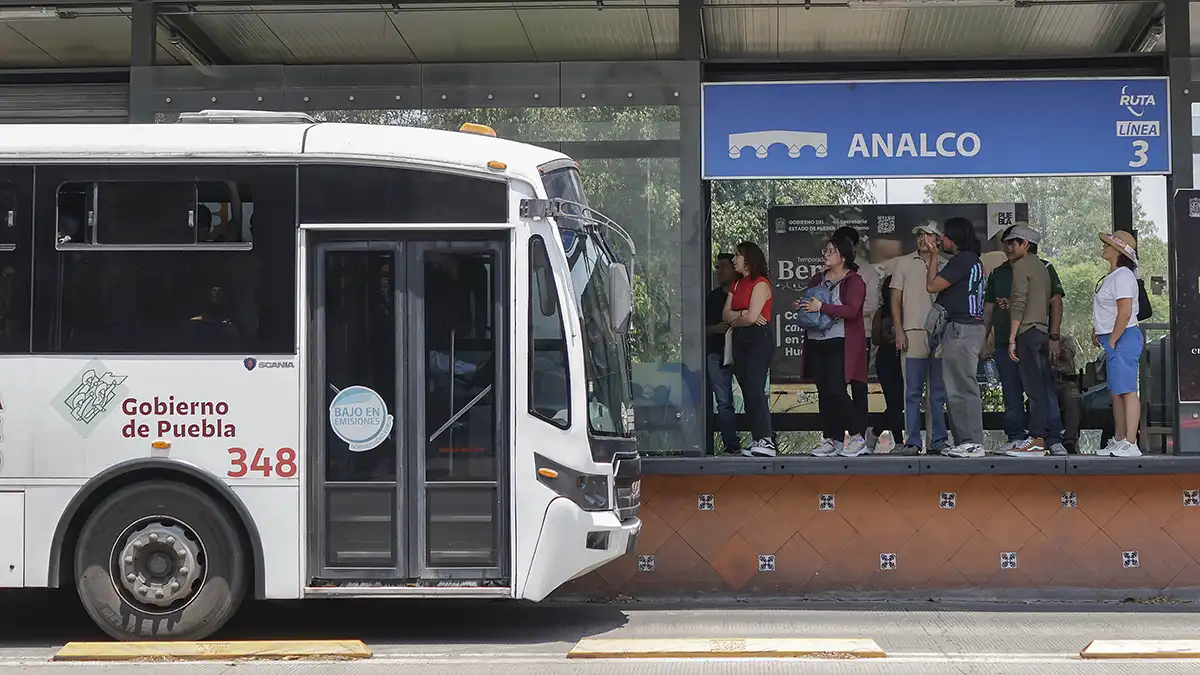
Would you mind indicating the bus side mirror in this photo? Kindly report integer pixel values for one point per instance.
(620, 293)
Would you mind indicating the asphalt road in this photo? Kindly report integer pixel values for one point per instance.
(501, 638)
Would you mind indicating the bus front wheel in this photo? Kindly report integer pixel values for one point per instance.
(160, 560)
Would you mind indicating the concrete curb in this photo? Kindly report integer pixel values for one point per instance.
(274, 650)
(650, 648)
(1141, 649)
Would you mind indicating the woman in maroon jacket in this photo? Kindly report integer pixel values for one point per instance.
(837, 357)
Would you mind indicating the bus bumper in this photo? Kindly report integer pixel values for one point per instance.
(561, 553)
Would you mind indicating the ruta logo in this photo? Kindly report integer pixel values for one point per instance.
(1136, 103)
(250, 362)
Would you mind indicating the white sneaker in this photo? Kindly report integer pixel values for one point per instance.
(763, 447)
(1125, 449)
(1107, 451)
(966, 450)
(857, 446)
(827, 448)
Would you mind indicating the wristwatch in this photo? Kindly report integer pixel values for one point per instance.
(1054, 337)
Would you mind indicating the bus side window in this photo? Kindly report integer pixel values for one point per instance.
(224, 213)
(133, 213)
(335, 194)
(76, 212)
(15, 200)
(549, 375)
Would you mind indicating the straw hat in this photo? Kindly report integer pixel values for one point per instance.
(1123, 241)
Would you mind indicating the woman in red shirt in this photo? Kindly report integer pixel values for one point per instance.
(838, 356)
(748, 313)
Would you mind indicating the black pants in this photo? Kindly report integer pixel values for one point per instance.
(826, 360)
(891, 379)
(1033, 352)
(753, 347)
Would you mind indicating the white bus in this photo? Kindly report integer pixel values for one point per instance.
(250, 353)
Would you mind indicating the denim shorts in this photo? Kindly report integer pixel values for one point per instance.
(1122, 363)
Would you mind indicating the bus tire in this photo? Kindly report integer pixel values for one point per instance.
(160, 560)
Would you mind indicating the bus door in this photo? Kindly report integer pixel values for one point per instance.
(408, 408)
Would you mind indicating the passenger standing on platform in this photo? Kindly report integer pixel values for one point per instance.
(959, 286)
(911, 302)
(720, 376)
(997, 321)
(888, 366)
(838, 356)
(748, 312)
(1115, 328)
(871, 303)
(1029, 328)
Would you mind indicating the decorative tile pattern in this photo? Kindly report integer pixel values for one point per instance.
(947, 500)
(776, 535)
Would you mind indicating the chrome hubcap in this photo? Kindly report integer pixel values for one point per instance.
(160, 564)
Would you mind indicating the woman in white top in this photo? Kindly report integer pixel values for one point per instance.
(1115, 328)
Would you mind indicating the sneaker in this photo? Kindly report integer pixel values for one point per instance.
(1107, 451)
(966, 450)
(1002, 450)
(763, 447)
(940, 449)
(1125, 449)
(1030, 447)
(857, 446)
(1058, 449)
(872, 439)
(827, 448)
(910, 450)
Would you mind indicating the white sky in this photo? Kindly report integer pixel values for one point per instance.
(912, 191)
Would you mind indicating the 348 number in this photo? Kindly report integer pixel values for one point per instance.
(283, 465)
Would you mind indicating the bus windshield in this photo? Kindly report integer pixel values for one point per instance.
(605, 353)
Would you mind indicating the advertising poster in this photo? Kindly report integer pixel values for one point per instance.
(1187, 293)
(797, 234)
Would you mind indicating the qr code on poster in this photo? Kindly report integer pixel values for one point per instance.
(887, 224)
(1194, 207)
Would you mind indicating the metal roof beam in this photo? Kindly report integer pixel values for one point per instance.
(183, 26)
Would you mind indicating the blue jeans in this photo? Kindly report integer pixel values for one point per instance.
(917, 372)
(1016, 417)
(720, 378)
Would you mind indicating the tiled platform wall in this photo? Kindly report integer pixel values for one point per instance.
(796, 535)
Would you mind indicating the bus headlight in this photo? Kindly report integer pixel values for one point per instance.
(590, 492)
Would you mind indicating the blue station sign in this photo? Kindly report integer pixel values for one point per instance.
(928, 129)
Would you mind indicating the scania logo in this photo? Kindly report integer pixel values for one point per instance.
(250, 362)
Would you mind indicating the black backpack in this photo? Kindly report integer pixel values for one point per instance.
(1145, 311)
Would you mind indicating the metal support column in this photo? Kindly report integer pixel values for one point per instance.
(142, 51)
(694, 238)
(1177, 17)
(1122, 203)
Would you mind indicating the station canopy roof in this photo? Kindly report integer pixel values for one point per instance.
(95, 33)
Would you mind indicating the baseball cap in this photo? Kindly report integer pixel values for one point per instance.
(928, 227)
(1025, 233)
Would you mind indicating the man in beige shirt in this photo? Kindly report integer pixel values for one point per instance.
(911, 302)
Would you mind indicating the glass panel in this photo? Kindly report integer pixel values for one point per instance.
(461, 526)
(360, 349)
(549, 378)
(364, 194)
(460, 353)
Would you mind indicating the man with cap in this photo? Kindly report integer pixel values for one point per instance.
(911, 302)
(1029, 336)
(997, 320)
